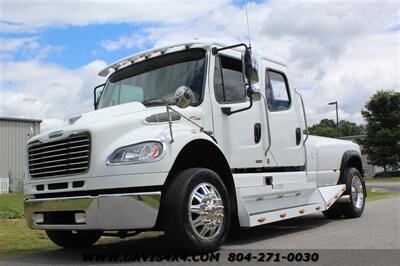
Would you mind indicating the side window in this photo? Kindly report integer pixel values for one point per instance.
(277, 91)
(229, 85)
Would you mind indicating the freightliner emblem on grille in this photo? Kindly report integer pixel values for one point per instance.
(56, 134)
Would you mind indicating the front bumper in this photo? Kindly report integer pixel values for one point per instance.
(102, 212)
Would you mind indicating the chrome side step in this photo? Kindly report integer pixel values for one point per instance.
(321, 199)
(279, 215)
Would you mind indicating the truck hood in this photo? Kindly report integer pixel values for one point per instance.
(133, 108)
(117, 120)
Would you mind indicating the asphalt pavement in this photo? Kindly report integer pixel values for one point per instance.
(373, 239)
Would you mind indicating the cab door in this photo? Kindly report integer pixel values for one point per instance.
(285, 119)
(240, 135)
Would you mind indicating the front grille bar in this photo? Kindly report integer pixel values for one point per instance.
(60, 160)
(60, 165)
(60, 144)
(58, 155)
(64, 149)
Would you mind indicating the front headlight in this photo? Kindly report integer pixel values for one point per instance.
(138, 153)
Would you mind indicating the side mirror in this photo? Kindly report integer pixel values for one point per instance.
(183, 96)
(97, 92)
(250, 66)
(250, 73)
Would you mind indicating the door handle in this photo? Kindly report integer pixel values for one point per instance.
(257, 133)
(298, 136)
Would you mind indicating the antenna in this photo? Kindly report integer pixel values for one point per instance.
(247, 20)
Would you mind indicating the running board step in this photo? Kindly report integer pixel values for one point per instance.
(321, 200)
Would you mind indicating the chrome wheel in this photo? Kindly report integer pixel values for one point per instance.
(357, 192)
(206, 211)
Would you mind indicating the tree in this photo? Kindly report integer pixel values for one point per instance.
(382, 142)
(327, 128)
(347, 128)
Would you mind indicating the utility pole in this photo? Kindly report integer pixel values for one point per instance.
(337, 116)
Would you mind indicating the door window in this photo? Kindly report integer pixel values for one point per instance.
(229, 86)
(277, 91)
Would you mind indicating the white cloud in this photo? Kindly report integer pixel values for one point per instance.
(25, 16)
(28, 47)
(356, 75)
(12, 44)
(341, 51)
(127, 42)
(49, 92)
(336, 50)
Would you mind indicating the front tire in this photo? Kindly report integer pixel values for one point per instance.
(73, 239)
(197, 210)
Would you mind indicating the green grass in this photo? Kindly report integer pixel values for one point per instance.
(17, 238)
(382, 179)
(12, 206)
(380, 193)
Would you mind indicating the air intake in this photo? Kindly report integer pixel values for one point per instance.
(162, 117)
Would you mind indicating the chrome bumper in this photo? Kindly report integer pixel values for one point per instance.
(103, 212)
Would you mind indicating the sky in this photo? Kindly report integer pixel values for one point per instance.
(51, 51)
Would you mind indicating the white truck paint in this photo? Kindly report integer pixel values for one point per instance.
(282, 175)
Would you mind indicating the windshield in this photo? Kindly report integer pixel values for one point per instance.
(156, 78)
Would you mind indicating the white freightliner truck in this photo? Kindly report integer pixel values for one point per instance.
(194, 139)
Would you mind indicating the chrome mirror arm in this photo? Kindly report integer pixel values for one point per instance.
(183, 97)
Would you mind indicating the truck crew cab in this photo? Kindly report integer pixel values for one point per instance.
(195, 139)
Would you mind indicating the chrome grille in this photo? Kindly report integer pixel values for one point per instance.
(62, 157)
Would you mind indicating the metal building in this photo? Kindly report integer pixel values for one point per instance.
(14, 134)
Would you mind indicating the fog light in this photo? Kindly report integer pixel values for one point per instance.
(80, 218)
(38, 218)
